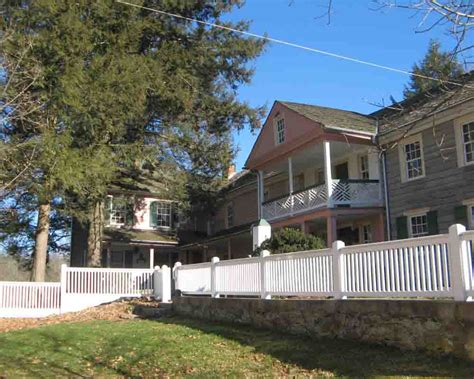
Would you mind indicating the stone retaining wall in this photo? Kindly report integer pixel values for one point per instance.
(439, 327)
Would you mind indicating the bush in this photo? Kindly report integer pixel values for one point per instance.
(289, 240)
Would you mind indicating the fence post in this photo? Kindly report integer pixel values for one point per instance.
(214, 261)
(157, 282)
(338, 269)
(457, 256)
(165, 284)
(263, 276)
(62, 282)
(176, 275)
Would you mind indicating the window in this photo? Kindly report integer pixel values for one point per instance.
(470, 209)
(418, 225)
(364, 167)
(414, 164)
(118, 211)
(280, 131)
(366, 233)
(468, 142)
(161, 213)
(230, 215)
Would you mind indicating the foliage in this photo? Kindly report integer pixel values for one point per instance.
(12, 270)
(176, 347)
(287, 240)
(435, 64)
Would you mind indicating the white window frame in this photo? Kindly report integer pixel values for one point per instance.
(403, 161)
(364, 170)
(366, 228)
(460, 142)
(411, 216)
(159, 220)
(280, 134)
(230, 215)
(112, 212)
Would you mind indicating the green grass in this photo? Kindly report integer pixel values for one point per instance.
(180, 347)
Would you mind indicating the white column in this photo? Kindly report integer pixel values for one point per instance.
(457, 262)
(214, 292)
(338, 269)
(260, 233)
(327, 171)
(263, 279)
(152, 258)
(290, 175)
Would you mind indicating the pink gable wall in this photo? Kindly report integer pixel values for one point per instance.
(298, 130)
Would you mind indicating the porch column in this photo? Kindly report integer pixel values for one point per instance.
(260, 192)
(379, 228)
(152, 258)
(109, 256)
(290, 175)
(305, 227)
(327, 171)
(331, 229)
(229, 249)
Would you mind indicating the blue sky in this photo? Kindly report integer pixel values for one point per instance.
(285, 73)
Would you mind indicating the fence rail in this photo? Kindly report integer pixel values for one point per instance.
(429, 267)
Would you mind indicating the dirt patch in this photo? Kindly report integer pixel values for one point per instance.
(116, 311)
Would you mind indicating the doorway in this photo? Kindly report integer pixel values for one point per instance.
(342, 171)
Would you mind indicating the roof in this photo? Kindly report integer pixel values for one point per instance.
(139, 236)
(332, 117)
(424, 105)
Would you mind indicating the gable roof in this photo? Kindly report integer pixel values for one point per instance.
(333, 118)
(425, 104)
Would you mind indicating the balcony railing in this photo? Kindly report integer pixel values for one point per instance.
(350, 193)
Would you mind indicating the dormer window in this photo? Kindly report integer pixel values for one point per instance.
(280, 131)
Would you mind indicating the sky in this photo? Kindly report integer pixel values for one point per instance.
(387, 37)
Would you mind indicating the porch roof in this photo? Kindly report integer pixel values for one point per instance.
(152, 237)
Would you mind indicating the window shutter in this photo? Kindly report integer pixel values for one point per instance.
(432, 218)
(460, 215)
(153, 213)
(174, 216)
(402, 227)
(129, 214)
(107, 207)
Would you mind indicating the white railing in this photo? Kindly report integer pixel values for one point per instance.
(29, 299)
(352, 192)
(81, 288)
(438, 266)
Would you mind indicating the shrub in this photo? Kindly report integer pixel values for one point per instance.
(288, 240)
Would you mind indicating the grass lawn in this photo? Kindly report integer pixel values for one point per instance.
(181, 347)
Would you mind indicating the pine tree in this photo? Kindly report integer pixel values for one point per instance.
(117, 91)
(435, 64)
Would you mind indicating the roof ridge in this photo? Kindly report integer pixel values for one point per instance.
(325, 107)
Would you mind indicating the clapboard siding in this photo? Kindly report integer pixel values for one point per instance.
(444, 186)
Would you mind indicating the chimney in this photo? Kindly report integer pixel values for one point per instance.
(231, 171)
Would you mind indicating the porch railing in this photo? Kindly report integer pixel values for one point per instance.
(344, 192)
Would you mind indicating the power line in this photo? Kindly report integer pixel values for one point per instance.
(291, 44)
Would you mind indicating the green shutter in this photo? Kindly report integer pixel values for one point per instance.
(107, 207)
(153, 213)
(460, 215)
(402, 227)
(432, 218)
(130, 213)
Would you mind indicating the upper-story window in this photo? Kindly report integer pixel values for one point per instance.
(230, 215)
(411, 159)
(418, 225)
(468, 142)
(280, 131)
(161, 214)
(117, 210)
(364, 167)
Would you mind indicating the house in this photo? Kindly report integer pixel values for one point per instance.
(428, 144)
(140, 231)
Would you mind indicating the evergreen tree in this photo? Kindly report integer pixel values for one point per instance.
(435, 64)
(111, 93)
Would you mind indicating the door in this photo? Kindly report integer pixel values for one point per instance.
(348, 235)
(342, 171)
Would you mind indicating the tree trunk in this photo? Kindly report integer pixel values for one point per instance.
(41, 244)
(94, 238)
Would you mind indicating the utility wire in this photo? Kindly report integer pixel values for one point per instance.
(282, 42)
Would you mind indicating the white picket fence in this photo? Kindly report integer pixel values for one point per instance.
(80, 288)
(438, 266)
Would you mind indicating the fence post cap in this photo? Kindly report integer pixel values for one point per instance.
(177, 264)
(338, 245)
(156, 268)
(215, 259)
(164, 267)
(63, 265)
(264, 253)
(457, 229)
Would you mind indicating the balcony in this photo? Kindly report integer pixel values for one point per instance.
(347, 193)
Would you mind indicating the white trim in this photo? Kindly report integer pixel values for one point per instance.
(459, 137)
(416, 211)
(276, 119)
(402, 158)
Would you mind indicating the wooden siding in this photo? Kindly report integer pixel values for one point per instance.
(444, 186)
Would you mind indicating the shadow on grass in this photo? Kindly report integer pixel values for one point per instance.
(338, 356)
